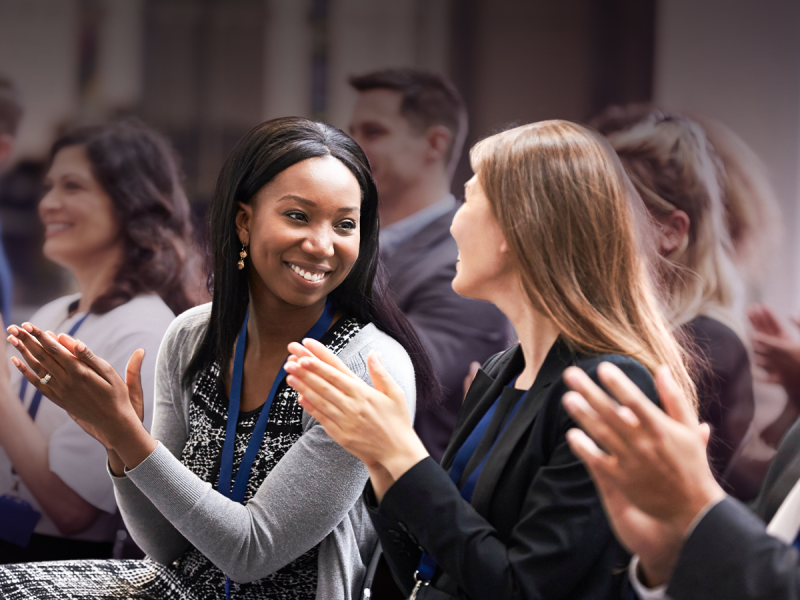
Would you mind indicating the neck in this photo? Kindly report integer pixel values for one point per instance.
(420, 194)
(270, 327)
(537, 333)
(94, 277)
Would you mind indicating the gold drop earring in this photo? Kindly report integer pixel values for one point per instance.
(242, 256)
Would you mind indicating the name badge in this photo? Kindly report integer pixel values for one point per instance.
(18, 519)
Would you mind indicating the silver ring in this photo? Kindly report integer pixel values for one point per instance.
(46, 379)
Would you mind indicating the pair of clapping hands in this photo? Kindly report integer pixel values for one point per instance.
(83, 384)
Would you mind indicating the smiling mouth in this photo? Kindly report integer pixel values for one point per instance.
(53, 228)
(307, 275)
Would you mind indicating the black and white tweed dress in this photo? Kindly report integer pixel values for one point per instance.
(192, 576)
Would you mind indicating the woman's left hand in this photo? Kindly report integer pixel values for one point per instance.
(89, 389)
(373, 424)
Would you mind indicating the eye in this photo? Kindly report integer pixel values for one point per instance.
(297, 215)
(71, 186)
(348, 224)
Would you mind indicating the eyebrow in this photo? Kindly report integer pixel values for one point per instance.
(307, 202)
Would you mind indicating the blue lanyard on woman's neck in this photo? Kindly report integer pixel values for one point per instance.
(427, 566)
(33, 409)
(237, 491)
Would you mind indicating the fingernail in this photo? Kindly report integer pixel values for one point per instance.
(290, 367)
(27, 327)
(80, 346)
(12, 340)
(15, 361)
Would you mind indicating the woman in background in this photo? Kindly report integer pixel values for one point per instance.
(553, 234)
(116, 217)
(678, 175)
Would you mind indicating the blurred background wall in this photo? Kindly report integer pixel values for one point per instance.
(206, 71)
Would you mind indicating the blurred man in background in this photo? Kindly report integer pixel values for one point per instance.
(412, 125)
(10, 115)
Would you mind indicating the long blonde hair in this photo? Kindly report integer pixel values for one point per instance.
(575, 224)
(673, 167)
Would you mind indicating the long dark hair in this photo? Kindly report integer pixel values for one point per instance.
(263, 153)
(138, 169)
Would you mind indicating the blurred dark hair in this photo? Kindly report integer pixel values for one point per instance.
(257, 159)
(10, 107)
(428, 99)
(139, 171)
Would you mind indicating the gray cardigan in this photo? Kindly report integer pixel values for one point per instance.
(312, 496)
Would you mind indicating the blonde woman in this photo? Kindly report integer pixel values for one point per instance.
(676, 172)
(550, 233)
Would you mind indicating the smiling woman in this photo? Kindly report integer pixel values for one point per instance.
(117, 219)
(239, 492)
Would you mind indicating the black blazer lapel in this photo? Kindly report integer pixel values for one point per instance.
(481, 395)
(558, 359)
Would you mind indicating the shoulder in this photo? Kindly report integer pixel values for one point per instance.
(145, 312)
(632, 368)
(56, 309)
(371, 338)
(189, 326)
(707, 331)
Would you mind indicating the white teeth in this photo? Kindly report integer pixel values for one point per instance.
(56, 226)
(305, 275)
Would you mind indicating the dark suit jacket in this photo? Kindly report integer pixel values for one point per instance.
(783, 473)
(725, 391)
(535, 527)
(730, 556)
(454, 330)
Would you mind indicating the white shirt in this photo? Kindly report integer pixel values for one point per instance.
(76, 457)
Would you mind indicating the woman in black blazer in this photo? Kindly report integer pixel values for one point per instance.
(550, 233)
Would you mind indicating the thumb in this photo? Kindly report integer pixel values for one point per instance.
(94, 362)
(381, 379)
(133, 380)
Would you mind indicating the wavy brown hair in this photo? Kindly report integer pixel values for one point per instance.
(138, 169)
(577, 229)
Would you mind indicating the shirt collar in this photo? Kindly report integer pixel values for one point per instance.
(400, 231)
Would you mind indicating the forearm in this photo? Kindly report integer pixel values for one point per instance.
(27, 449)
(275, 527)
(151, 531)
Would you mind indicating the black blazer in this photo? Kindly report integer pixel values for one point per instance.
(783, 473)
(729, 555)
(535, 527)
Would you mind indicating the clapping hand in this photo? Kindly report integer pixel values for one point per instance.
(81, 383)
(776, 352)
(652, 474)
(373, 424)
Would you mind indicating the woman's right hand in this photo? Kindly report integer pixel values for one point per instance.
(373, 424)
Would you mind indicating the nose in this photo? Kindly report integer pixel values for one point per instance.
(319, 242)
(49, 202)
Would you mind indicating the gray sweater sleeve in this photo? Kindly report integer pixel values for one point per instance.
(307, 494)
(148, 527)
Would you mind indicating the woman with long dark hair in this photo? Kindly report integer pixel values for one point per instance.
(239, 492)
(116, 217)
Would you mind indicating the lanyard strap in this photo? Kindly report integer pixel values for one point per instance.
(427, 565)
(236, 493)
(33, 409)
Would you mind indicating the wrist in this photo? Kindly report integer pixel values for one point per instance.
(406, 453)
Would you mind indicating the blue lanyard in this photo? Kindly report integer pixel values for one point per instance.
(236, 493)
(427, 566)
(33, 409)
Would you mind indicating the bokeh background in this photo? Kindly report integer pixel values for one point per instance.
(203, 72)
